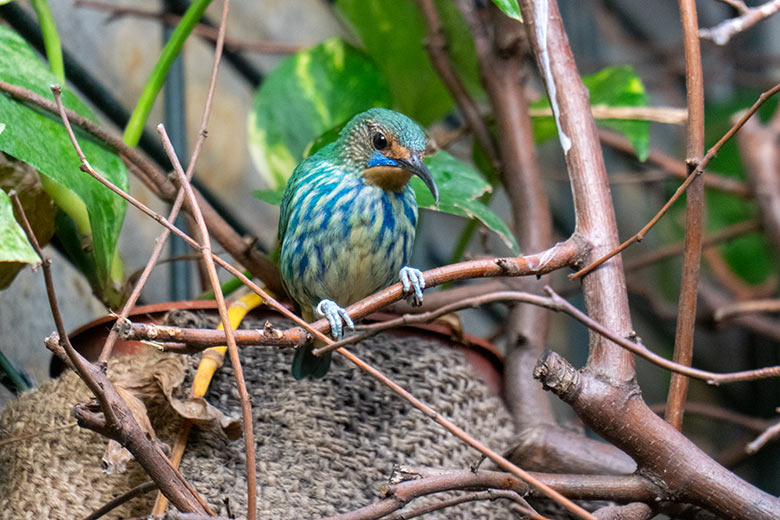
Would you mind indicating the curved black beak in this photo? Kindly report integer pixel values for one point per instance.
(414, 164)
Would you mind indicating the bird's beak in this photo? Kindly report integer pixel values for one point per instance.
(415, 166)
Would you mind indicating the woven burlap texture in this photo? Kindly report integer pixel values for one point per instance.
(323, 447)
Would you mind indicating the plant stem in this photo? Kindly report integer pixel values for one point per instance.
(170, 52)
(51, 39)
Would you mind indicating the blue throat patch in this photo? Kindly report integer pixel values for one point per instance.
(380, 160)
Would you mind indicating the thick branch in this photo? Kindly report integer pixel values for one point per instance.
(677, 465)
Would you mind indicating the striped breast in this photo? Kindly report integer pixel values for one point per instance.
(345, 239)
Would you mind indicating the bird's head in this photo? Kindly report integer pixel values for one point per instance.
(388, 149)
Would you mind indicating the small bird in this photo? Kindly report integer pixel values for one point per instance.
(348, 220)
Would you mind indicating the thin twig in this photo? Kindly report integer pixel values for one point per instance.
(722, 235)
(696, 172)
(666, 115)
(676, 167)
(771, 305)
(712, 378)
(749, 16)
(490, 494)
(694, 216)
(138, 490)
(35, 435)
(769, 435)
(246, 407)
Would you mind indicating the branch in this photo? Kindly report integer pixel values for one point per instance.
(197, 340)
(694, 215)
(676, 167)
(770, 434)
(117, 419)
(246, 407)
(679, 466)
(727, 311)
(749, 16)
(627, 488)
(138, 490)
(712, 152)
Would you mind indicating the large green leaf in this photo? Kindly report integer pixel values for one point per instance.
(459, 188)
(614, 87)
(40, 140)
(307, 94)
(510, 8)
(14, 246)
(393, 34)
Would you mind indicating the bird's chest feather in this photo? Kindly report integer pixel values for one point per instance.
(346, 240)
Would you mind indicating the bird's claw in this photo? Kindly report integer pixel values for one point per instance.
(335, 314)
(413, 283)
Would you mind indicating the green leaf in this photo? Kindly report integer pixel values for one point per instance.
(393, 34)
(40, 140)
(613, 87)
(14, 246)
(510, 8)
(273, 197)
(459, 188)
(307, 94)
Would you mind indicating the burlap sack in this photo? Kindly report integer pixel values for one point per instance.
(323, 447)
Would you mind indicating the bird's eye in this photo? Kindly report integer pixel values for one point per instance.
(380, 141)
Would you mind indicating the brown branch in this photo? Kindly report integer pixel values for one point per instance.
(138, 490)
(257, 263)
(666, 115)
(678, 466)
(205, 247)
(769, 435)
(749, 16)
(627, 488)
(202, 30)
(697, 171)
(759, 149)
(119, 423)
(605, 292)
(676, 167)
(197, 340)
(694, 216)
(722, 235)
(754, 424)
(721, 313)
(436, 45)
(490, 494)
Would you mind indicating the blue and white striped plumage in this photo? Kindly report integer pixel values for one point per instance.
(348, 221)
(343, 239)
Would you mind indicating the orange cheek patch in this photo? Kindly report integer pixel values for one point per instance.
(389, 178)
(396, 151)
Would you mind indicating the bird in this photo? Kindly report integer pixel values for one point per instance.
(347, 223)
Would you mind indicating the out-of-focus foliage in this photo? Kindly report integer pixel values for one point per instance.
(612, 87)
(41, 141)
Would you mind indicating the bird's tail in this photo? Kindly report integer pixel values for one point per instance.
(306, 364)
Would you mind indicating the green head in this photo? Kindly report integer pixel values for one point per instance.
(387, 147)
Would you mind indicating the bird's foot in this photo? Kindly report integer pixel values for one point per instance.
(330, 310)
(413, 282)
